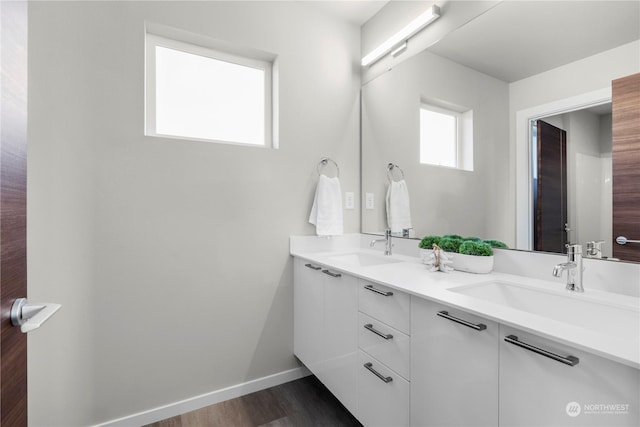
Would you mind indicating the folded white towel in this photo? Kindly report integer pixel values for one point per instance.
(398, 209)
(326, 212)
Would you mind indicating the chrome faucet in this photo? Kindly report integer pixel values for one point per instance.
(386, 240)
(594, 249)
(574, 268)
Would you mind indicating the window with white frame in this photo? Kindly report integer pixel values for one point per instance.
(446, 137)
(200, 93)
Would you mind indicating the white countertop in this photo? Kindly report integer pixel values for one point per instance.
(620, 344)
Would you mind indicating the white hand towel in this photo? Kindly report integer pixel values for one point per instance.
(326, 212)
(398, 209)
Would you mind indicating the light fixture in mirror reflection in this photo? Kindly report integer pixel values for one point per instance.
(486, 201)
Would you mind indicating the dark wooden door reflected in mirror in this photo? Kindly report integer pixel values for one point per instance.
(550, 188)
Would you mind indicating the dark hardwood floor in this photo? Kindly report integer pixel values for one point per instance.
(304, 402)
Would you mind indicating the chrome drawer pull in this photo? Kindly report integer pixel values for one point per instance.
(369, 366)
(313, 267)
(331, 273)
(477, 327)
(569, 360)
(370, 327)
(378, 291)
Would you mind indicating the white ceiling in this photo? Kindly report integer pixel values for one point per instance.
(355, 11)
(518, 39)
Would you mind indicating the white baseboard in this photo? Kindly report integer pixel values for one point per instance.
(211, 398)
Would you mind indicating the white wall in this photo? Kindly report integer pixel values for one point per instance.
(170, 257)
(443, 200)
(586, 183)
(606, 163)
(576, 78)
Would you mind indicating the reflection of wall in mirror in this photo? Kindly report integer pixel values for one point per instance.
(443, 200)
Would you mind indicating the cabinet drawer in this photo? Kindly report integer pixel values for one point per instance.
(385, 304)
(381, 402)
(388, 345)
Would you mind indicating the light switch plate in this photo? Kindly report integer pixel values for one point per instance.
(368, 201)
(349, 200)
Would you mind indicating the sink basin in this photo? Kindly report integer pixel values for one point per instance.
(363, 259)
(572, 308)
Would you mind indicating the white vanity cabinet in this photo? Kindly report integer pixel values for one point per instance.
(546, 390)
(325, 321)
(394, 359)
(383, 367)
(454, 367)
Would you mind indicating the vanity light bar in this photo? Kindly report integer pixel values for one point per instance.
(403, 35)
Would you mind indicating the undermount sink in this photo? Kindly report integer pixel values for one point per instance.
(363, 259)
(572, 308)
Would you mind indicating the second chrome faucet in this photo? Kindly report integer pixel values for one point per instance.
(573, 267)
(386, 240)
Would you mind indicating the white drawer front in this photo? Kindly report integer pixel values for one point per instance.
(381, 403)
(385, 304)
(388, 345)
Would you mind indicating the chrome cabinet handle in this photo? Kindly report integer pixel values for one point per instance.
(621, 240)
(331, 273)
(568, 360)
(477, 327)
(378, 291)
(369, 366)
(370, 327)
(313, 267)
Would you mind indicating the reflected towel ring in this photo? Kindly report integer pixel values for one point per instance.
(390, 168)
(323, 162)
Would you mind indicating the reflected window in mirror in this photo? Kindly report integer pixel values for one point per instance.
(446, 137)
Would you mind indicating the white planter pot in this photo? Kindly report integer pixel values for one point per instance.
(472, 263)
(425, 254)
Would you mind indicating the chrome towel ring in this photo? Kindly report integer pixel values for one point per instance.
(323, 162)
(390, 168)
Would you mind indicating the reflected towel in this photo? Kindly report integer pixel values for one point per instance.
(398, 209)
(326, 212)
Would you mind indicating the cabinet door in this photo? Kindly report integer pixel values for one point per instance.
(308, 297)
(454, 367)
(537, 390)
(383, 395)
(340, 336)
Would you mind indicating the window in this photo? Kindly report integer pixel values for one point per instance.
(196, 92)
(446, 137)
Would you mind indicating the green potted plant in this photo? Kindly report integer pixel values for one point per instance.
(428, 241)
(474, 256)
(426, 246)
(469, 254)
(451, 244)
(496, 244)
